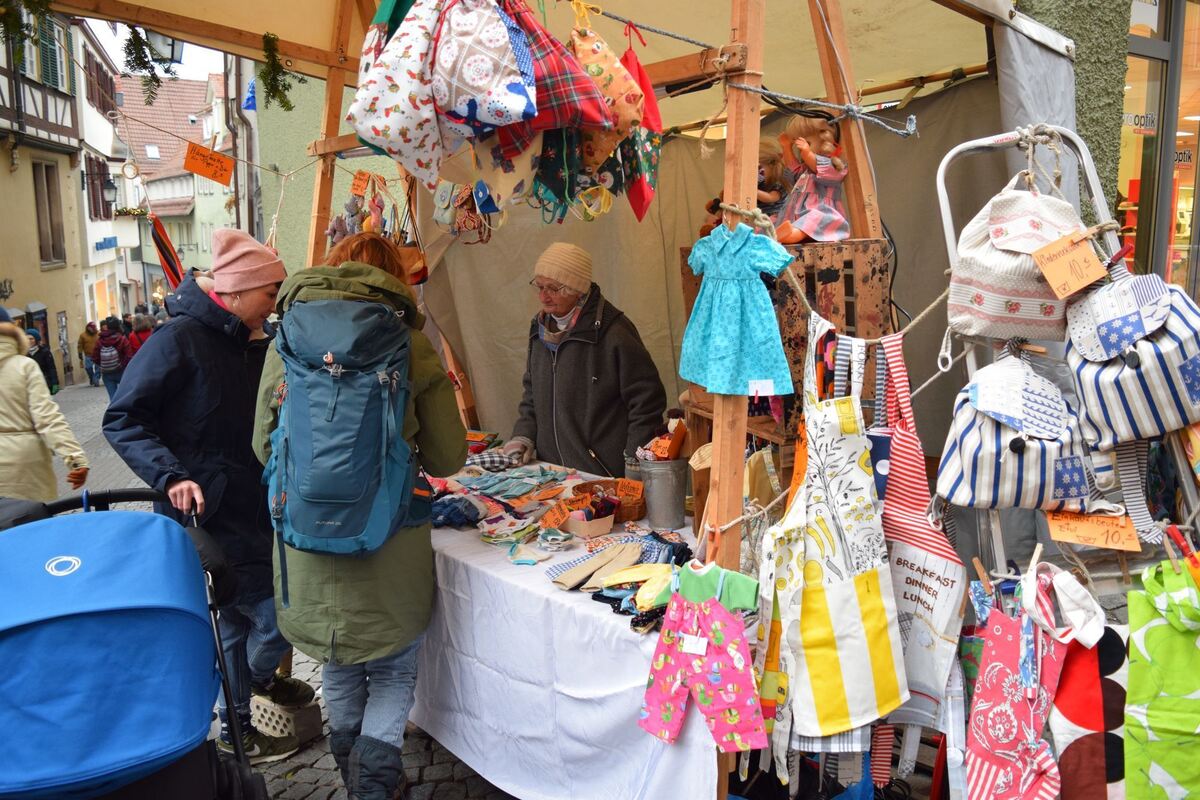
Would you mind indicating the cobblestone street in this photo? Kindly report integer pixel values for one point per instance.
(433, 772)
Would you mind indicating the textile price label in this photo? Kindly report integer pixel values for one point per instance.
(208, 164)
(1069, 264)
(629, 489)
(694, 645)
(358, 186)
(556, 516)
(578, 502)
(1115, 533)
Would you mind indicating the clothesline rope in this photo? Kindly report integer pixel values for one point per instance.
(747, 516)
(660, 31)
(849, 110)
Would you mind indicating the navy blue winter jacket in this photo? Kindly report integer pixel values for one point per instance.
(185, 410)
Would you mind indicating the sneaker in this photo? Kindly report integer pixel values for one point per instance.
(261, 748)
(286, 691)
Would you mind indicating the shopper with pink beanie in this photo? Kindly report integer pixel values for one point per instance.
(183, 420)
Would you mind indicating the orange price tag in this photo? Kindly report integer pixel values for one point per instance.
(578, 502)
(548, 493)
(629, 489)
(1069, 265)
(208, 163)
(556, 516)
(1115, 533)
(358, 186)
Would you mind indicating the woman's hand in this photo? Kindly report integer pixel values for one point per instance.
(521, 448)
(76, 478)
(186, 495)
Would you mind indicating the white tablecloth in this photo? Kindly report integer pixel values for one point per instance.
(538, 690)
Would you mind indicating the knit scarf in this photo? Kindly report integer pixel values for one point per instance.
(551, 333)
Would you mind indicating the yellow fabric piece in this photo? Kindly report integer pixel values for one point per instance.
(647, 596)
(820, 647)
(883, 663)
(638, 573)
(757, 486)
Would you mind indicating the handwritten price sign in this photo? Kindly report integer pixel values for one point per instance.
(208, 164)
(556, 516)
(1115, 533)
(629, 490)
(358, 186)
(1069, 265)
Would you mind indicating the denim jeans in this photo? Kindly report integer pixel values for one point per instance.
(253, 646)
(111, 381)
(374, 697)
(93, 371)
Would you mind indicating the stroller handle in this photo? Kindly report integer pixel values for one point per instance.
(102, 500)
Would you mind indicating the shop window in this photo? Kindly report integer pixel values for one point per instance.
(48, 203)
(1148, 18)
(1138, 174)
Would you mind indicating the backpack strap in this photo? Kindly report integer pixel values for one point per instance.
(1132, 464)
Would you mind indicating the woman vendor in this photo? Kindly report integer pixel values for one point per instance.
(592, 394)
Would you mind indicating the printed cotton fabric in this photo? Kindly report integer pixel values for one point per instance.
(732, 343)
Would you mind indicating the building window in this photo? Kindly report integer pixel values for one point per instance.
(47, 58)
(51, 243)
(101, 89)
(96, 176)
(152, 151)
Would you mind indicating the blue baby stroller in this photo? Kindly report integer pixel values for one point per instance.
(111, 656)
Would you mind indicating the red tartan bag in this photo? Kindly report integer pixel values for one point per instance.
(566, 96)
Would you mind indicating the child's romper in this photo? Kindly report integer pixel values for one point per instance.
(703, 649)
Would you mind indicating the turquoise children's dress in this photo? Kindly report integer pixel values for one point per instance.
(732, 344)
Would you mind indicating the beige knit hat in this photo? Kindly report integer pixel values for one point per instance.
(566, 264)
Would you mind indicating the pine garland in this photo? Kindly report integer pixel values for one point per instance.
(275, 80)
(141, 58)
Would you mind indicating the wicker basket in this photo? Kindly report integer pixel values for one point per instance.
(628, 512)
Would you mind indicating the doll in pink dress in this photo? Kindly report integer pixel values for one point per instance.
(813, 209)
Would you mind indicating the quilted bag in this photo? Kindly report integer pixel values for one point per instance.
(1162, 750)
(393, 109)
(478, 82)
(840, 624)
(996, 289)
(1134, 351)
(928, 576)
(641, 149)
(620, 89)
(566, 96)
(1014, 442)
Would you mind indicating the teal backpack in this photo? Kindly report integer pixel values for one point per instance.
(341, 476)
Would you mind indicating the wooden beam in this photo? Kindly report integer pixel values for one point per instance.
(366, 12)
(967, 11)
(331, 119)
(334, 144)
(695, 66)
(463, 393)
(830, 33)
(184, 27)
(741, 183)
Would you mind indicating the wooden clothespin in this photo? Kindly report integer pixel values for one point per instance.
(1171, 555)
(1037, 556)
(983, 576)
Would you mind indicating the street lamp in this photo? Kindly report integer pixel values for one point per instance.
(109, 191)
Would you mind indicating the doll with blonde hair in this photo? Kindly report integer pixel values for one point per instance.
(773, 184)
(814, 209)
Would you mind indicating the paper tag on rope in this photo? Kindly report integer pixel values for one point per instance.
(1069, 264)
(358, 186)
(1094, 530)
(208, 163)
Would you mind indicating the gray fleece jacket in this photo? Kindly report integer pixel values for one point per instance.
(594, 400)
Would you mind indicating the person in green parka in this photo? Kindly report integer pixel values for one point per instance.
(364, 617)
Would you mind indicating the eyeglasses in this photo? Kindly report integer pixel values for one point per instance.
(551, 288)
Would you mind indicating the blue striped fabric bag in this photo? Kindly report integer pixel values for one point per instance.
(1134, 351)
(1014, 442)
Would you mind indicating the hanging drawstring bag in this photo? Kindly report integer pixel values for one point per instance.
(928, 576)
(478, 83)
(407, 238)
(619, 88)
(1162, 750)
(843, 633)
(393, 109)
(641, 149)
(996, 289)
(566, 96)
(1014, 442)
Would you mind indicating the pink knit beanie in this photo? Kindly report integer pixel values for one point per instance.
(241, 263)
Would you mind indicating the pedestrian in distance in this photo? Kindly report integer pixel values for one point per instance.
(84, 347)
(112, 354)
(127, 324)
(183, 420)
(44, 358)
(143, 326)
(32, 428)
(363, 616)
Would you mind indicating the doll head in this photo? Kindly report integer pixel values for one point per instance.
(770, 163)
(819, 133)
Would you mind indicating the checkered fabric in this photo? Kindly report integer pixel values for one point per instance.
(566, 96)
(493, 460)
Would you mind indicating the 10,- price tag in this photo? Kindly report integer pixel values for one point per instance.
(1115, 533)
(1069, 264)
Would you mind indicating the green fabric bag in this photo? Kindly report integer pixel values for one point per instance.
(1162, 706)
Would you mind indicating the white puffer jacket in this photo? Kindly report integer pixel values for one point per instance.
(32, 428)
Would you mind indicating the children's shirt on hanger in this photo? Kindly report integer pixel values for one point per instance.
(698, 582)
(732, 343)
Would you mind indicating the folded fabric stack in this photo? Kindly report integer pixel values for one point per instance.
(514, 483)
(458, 511)
(507, 529)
